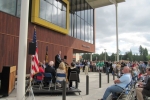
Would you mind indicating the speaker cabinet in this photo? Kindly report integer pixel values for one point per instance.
(32, 48)
(65, 57)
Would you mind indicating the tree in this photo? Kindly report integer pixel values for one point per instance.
(141, 50)
(112, 57)
(128, 56)
(145, 54)
(86, 56)
(95, 57)
(148, 57)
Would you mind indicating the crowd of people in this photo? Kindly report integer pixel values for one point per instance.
(59, 67)
(111, 67)
(126, 72)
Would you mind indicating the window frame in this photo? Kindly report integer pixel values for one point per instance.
(35, 18)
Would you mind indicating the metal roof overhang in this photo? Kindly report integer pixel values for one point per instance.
(101, 3)
(79, 5)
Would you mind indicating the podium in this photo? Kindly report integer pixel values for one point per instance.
(8, 79)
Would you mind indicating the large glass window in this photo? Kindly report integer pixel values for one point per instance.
(78, 27)
(81, 17)
(11, 7)
(18, 8)
(92, 38)
(64, 16)
(92, 17)
(82, 29)
(42, 9)
(53, 11)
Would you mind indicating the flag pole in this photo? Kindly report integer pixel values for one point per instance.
(31, 64)
(29, 89)
(22, 51)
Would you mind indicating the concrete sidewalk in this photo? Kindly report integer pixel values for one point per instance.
(95, 92)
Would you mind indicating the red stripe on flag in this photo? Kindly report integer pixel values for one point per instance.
(35, 63)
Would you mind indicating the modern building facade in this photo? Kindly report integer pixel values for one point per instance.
(61, 25)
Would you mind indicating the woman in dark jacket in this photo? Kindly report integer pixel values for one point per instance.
(73, 68)
(144, 88)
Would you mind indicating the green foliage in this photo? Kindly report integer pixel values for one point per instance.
(128, 56)
(148, 57)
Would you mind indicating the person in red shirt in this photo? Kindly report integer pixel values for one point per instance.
(41, 70)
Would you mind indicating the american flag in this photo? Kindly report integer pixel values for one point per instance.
(34, 60)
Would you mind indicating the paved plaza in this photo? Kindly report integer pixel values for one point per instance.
(95, 92)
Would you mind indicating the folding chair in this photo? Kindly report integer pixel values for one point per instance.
(74, 77)
(48, 78)
(146, 98)
(127, 92)
(60, 77)
(37, 80)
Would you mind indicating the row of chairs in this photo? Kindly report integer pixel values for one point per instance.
(127, 93)
(60, 76)
(40, 81)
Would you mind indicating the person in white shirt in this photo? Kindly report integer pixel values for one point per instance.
(114, 67)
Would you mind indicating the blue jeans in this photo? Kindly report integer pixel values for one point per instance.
(107, 70)
(112, 89)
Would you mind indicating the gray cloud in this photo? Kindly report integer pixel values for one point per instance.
(133, 26)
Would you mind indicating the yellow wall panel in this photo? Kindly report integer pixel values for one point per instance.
(36, 19)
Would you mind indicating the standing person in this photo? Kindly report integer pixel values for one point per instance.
(88, 63)
(66, 68)
(83, 63)
(101, 64)
(44, 64)
(110, 67)
(57, 60)
(118, 67)
(107, 66)
(86, 68)
(98, 65)
(114, 68)
(91, 66)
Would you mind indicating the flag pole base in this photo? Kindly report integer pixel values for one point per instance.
(30, 91)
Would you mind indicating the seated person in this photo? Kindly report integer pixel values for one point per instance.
(41, 70)
(73, 68)
(62, 70)
(51, 69)
(66, 68)
(144, 87)
(119, 85)
(134, 74)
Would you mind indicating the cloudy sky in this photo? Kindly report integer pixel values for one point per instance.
(133, 27)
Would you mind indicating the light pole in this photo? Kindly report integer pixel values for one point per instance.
(105, 54)
(116, 5)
